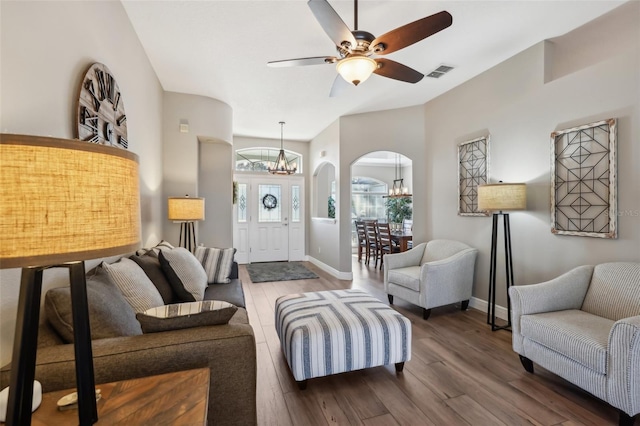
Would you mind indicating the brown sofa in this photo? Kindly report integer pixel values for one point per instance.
(228, 350)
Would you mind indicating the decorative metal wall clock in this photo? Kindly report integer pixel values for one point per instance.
(473, 170)
(100, 115)
(583, 180)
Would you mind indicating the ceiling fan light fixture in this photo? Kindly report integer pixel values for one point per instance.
(356, 69)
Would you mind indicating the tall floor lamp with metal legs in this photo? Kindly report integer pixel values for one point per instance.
(498, 198)
(186, 211)
(59, 207)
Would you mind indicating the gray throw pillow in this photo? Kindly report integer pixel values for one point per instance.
(217, 263)
(150, 264)
(109, 314)
(135, 286)
(185, 273)
(162, 245)
(186, 315)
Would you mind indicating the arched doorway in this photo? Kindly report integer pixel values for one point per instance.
(372, 178)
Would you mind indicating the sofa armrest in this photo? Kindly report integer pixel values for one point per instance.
(561, 293)
(229, 351)
(448, 280)
(623, 365)
(234, 271)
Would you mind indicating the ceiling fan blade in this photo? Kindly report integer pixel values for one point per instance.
(315, 60)
(397, 71)
(339, 86)
(331, 22)
(411, 33)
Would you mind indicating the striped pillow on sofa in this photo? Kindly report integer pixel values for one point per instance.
(216, 262)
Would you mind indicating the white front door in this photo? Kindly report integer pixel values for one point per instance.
(269, 233)
(269, 219)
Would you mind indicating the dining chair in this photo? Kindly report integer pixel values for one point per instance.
(407, 226)
(385, 241)
(372, 241)
(362, 241)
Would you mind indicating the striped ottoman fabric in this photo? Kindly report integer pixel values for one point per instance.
(330, 332)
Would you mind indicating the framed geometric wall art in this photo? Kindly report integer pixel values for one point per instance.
(473, 170)
(583, 180)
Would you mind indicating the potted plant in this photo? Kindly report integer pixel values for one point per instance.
(398, 209)
(331, 209)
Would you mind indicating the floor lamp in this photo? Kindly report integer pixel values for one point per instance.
(499, 198)
(61, 202)
(186, 211)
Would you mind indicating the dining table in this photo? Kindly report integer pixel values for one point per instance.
(402, 238)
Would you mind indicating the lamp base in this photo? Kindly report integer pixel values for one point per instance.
(491, 312)
(26, 341)
(188, 236)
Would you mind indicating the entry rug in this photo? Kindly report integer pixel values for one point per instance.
(278, 271)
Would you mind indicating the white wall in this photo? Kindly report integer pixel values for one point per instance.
(46, 47)
(513, 103)
(208, 120)
(215, 180)
(402, 131)
(589, 74)
(324, 234)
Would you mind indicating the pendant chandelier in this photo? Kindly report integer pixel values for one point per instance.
(282, 166)
(398, 190)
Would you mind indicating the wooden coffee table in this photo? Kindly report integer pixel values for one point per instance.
(175, 398)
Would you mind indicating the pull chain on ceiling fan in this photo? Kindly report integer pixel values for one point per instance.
(356, 48)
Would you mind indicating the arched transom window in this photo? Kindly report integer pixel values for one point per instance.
(260, 159)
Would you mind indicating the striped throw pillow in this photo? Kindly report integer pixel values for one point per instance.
(134, 284)
(185, 274)
(216, 262)
(186, 315)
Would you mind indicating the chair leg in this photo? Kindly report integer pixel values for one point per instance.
(526, 363)
(390, 297)
(625, 419)
(464, 305)
(426, 313)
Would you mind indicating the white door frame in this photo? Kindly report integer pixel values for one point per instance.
(270, 241)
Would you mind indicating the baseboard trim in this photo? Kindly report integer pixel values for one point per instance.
(330, 270)
(482, 305)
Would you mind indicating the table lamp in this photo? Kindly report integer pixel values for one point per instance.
(61, 202)
(186, 211)
(500, 197)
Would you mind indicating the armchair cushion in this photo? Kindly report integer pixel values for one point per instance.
(408, 277)
(573, 333)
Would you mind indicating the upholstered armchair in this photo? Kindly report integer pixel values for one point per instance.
(431, 274)
(585, 327)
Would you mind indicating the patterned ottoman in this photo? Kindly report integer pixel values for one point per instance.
(330, 332)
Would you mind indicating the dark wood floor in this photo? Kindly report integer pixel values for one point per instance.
(460, 372)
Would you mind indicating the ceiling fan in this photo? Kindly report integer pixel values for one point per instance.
(356, 48)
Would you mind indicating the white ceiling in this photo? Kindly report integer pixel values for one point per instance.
(220, 49)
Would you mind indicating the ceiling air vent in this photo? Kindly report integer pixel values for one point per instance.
(440, 71)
